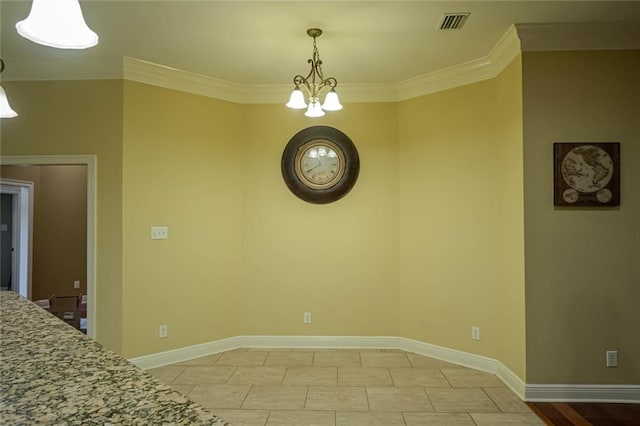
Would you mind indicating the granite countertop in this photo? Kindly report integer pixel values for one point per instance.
(50, 373)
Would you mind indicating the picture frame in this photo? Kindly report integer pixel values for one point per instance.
(586, 174)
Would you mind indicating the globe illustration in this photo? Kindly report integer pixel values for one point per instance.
(587, 168)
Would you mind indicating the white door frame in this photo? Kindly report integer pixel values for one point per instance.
(22, 234)
(91, 162)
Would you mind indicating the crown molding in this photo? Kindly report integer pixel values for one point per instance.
(518, 38)
(484, 68)
(150, 73)
(173, 78)
(579, 36)
(489, 66)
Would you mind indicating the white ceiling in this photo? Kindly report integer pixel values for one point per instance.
(264, 42)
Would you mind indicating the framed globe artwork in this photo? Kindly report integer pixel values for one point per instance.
(586, 174)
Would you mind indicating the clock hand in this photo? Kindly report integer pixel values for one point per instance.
(314, 167)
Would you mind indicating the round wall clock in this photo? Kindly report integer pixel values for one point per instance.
(320, 164)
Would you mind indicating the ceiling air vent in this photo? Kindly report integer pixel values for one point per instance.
(453, 21)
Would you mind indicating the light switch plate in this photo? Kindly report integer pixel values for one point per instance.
(159, 232)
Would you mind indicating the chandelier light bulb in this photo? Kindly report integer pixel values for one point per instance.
(296, 101)
(57, 24)
(314, 109)
(5, 109)
(331, 102)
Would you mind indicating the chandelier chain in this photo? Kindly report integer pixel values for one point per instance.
(315, 81)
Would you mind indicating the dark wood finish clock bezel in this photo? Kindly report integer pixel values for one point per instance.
(346, 153)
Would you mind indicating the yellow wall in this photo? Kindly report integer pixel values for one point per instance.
(244, 255)
(460, 218)
(59, 227)
(80, 118)
(337, 261)
(182, 168)
(429, 242)
(583, 269)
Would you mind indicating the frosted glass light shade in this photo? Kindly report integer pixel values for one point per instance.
(296, 101)
(5, 109)
(331, 102)
(57, 23)
(314, 109)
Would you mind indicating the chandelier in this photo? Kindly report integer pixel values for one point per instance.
(5, 109)
(314, 82)
(57, 23)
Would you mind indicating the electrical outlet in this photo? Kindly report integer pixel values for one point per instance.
(307, 318)
(612, 358)
(163, 331)
(159, 232)
(475, 333)
(76, 284)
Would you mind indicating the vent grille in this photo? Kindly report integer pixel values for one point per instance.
(453, 21)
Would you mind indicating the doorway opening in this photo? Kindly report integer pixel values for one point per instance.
(16, 235)
(74, 160)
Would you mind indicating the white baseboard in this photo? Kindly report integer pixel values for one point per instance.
(526, 392)
(583, 393)
(183, 354)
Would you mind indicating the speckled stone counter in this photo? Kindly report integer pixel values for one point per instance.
(51, 373)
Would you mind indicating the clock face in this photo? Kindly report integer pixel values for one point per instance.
(319, 164)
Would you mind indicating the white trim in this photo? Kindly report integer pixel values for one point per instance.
(22, 238)
(173, 78)
(535, 37)
(511, 379)
(567, 393)
(484, 68)
(184, 354)
(583, 393)
(91, 162)
(477, 362)
(344, 342)
(466, 359)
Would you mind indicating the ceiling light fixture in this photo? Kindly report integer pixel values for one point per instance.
(57, 24)
(5, 109)
(314, 82)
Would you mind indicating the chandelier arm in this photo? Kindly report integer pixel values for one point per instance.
(311, 77)
(331, 82)
(299, 80)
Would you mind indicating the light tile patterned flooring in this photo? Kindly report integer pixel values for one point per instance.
(279, 387)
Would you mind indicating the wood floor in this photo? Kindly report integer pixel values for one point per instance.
(585, 414)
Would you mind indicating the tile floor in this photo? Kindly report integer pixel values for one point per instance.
(269, 387)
